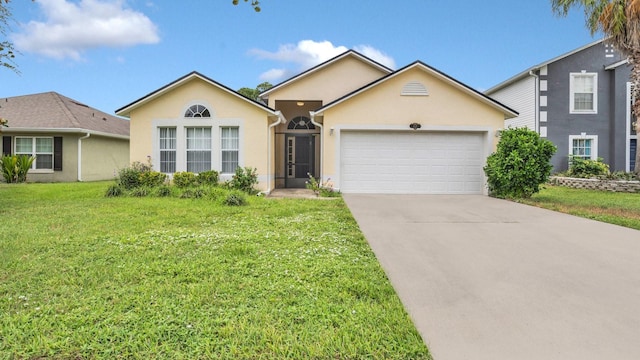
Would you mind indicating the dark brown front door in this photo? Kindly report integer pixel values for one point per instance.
(300, 159)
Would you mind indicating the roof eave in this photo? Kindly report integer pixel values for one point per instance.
(126, 110)
(265, 94)
(16, 130)
(508, 112)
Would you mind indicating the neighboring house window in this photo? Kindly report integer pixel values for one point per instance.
(40, 147)
(167, 150)
(584, 146)
(583, 93)
(229, 148)
(198, 149)
(197, 111)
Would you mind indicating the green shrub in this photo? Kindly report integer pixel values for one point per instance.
(140, 191)
(16, 167)
(235, 198)
(217, 193)
(152, 178)
(520, 164)
(208, 177)
(129, 178)
(184, 179)
(113, 191)
(163, 191)
(244, 180)
(587, 168)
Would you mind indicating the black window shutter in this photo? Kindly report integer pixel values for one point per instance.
(6, 145)
(57, 153)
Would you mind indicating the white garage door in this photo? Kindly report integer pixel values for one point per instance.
(412, 162)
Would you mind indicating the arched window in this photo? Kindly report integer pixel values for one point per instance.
(197, 111)
(300, 123)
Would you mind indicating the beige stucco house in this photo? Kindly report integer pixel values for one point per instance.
(349, 121)
(70, 140)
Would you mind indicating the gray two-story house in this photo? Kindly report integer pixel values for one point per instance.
(581, 101)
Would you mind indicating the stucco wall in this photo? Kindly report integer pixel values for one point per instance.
(102, 157)
(223, 106)
(329, 83)
(445, 108)
(611, 97)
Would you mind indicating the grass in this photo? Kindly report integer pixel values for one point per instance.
(88, 277)
(615, 208)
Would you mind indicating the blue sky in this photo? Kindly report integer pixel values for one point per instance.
(108, 53)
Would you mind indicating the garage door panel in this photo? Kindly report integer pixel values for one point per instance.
(416, 162)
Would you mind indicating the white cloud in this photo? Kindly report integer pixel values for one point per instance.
(71, 28)
(308, 53)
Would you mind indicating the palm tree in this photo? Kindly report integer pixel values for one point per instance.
(619, 20)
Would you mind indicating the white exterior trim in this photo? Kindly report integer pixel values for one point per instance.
(338, 129)
(583, 136)
(595, 93)
(181, 146)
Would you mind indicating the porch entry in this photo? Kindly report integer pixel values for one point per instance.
(299, 159)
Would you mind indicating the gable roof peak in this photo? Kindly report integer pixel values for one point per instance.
(324, 64)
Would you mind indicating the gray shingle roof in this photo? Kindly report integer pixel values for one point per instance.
(51, 110)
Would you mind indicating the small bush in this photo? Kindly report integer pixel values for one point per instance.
(140, 191)
(235, 198)
(520, 164)
(113, 191)
(587, 168)
(184, 179)
(164, 191)
(621, 175)
(244, 180)
(129, 178)
(16, 167)
(208, 177)
(152, 178)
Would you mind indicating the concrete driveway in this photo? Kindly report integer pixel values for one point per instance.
(484, 278)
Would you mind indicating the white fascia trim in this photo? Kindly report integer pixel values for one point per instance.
(17, 130)
(616, 64)
(526, 72)
(488, 132)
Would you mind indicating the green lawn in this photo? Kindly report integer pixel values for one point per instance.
(88, 277)
(615, 208)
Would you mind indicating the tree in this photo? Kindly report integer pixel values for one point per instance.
(520, 164)
(254, 3)
(619, 20)
(7, 53)
(254, 94)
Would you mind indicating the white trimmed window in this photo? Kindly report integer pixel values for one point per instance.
(198, 149)
(583, 93)
(168, 144)
(40, 147)
(229, 148)
(584, 146)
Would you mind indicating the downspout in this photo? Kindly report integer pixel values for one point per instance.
(536, 115)
(313, 121)
(80, 155)
(271, 153)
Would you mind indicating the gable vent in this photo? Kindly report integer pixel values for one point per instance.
(414, 88)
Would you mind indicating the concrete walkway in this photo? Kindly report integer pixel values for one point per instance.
(484, 278)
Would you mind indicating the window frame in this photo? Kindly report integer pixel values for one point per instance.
(203, 149)
(593, 148)
(35, 152)
(173, 150)
(181, 124)
(572, 92)
(224, 150)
